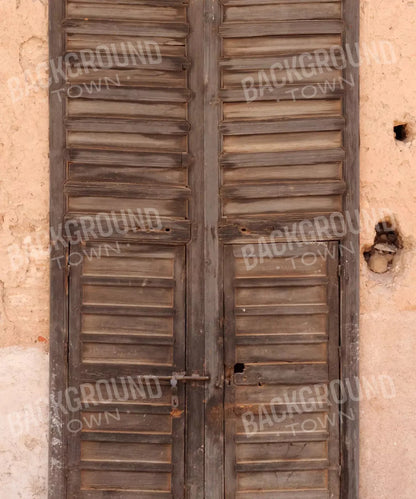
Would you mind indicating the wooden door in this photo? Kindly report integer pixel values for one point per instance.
(281, 348)
(188, 150)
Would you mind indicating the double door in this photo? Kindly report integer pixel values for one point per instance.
(200, 165)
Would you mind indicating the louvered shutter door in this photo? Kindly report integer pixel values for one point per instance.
(282, 153)
(282, 150)
(281, 328)
(127, 151)
(126, 327)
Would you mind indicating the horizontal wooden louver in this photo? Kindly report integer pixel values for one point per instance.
(281, 129)
(126, 110)
(281, 342)
(127, 326)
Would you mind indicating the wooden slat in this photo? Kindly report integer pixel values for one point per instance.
(284, 61)
(130, 339)
(269, 2)
(171, 230)
(285, 494)
(246, 230)
(141, 2)
(150, 282)
(125, 494)
(130, 94)
(95, 371)
(127, 407)
(92, 27)
(124, 62)
(295, 373)
(128, 174)
(245, 29)
(236, 160)
(266, 282)
(127, 310)
(295, 465)
(280, 339)
(102, 157)
(285, 12)
(258, 191)
(261, 438)
(117, 189)
(126, 466)
(174, 127)
(282, 310)
(281, 410)
(97, 436)
(116, 12)
(282, 126)
(287, 92)
(295, 248)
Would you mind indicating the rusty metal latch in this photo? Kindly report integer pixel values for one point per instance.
(181, 377)
(174, 388)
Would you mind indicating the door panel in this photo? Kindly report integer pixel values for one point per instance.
(127, 327)
(281, 347)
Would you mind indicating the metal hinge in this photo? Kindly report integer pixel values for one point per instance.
(340, 270)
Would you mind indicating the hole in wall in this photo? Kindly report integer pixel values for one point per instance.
(401, 132)
(239, 368)
(387, 242)
(404, 130)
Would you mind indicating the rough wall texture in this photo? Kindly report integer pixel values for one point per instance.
(23, 423)
(388, 337)
(24, 178)
(388, 301)
(24, 279)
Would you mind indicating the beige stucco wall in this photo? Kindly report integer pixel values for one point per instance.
(388, 302)
(388, 314)
(24, 195)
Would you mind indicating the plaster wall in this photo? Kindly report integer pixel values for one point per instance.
(388, 301)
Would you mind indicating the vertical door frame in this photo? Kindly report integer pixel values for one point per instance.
(213, 277)
(58, 367)
(195, 266)
(350, 261)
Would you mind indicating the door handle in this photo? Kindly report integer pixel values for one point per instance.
(184, 378)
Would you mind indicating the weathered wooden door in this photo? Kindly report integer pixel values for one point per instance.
(203, 311)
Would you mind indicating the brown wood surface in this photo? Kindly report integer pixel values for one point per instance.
(349, 299)
(272, 371)
(180, 138)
